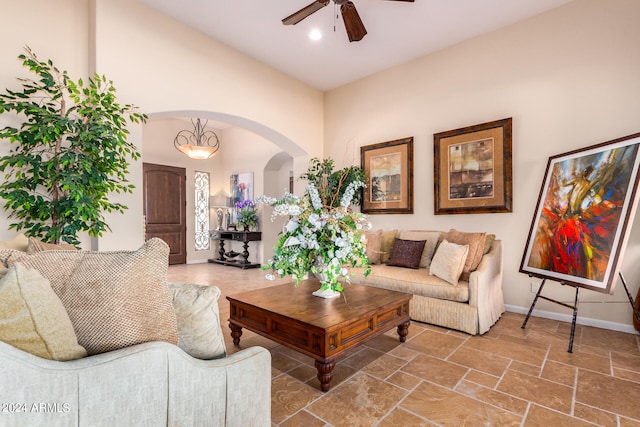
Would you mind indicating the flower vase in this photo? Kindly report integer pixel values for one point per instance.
(326, 287)
(326, 293)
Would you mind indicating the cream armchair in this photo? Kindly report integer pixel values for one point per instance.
(157, 356)
(150, 384)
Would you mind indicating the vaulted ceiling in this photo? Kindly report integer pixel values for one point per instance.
(397, 31)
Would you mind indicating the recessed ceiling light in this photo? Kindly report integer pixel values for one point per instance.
(315, 35)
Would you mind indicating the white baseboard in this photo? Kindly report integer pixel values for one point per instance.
(621, 327)
(198, 261)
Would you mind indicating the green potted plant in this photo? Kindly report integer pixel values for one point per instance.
(67, 156)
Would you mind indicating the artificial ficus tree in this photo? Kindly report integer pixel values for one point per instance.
(67, 156)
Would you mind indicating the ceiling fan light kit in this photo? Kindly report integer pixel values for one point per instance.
(352, 22)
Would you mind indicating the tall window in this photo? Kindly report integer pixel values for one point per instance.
(202, 211)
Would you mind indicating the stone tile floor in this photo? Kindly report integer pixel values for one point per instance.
(439, 377)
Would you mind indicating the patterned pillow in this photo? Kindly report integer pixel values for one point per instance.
(406, 253)
(114, 299)
(374, 245)
(448, 261)
(431, 238)
(33, 318)
(199, 330)
(476, 246)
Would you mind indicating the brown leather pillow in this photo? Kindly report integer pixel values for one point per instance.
(406, 253)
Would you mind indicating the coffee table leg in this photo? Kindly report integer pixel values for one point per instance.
(236, 333)
(403, 331)
(324, 373)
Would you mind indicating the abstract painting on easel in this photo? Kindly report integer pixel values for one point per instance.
(581, 222)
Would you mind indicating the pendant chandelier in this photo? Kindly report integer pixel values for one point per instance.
(197, 144)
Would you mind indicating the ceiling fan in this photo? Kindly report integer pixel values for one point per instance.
(352, 22)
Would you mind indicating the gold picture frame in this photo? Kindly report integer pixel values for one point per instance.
(388, 167)
(472, 169)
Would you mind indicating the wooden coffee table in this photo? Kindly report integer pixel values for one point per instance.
(320, 328)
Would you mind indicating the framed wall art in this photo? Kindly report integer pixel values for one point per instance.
(472, 169)
(388, 167)
(581, 222)
(241, 187)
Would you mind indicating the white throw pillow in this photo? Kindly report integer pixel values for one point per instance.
(448, 261)
(199, 329)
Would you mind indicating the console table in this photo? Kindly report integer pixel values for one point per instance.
(239, 236)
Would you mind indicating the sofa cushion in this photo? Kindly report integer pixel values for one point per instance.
(36, 245)
(476, 246)
(449, 261)
(406, 253)
(431, 240)
(488, 242)
(19, 243)
(412, 281)
(388, 237)
(114, 299)
(55, 266)
(199, 329)
(374, 245)
(33, 317)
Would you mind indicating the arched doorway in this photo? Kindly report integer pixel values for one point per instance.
(241, 151)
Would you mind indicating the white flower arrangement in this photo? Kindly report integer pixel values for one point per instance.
(321, 236)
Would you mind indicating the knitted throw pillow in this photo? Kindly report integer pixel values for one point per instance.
(36, 245)
(114, 299)
(118, 299)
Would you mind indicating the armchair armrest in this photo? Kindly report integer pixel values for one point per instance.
(154, 383)
(485, 288)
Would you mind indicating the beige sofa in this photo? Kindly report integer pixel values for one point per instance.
(472, 304)
(156, 355)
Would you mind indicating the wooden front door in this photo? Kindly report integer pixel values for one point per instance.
(165, 203)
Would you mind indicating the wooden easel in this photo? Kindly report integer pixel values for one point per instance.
(575, 307)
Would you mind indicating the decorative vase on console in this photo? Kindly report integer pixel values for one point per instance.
(323, 235)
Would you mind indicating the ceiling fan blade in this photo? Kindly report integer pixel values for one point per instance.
(298, 16)
(352, 22)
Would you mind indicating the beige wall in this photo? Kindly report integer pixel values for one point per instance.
(56, 30)
(161, 66)
(569, 78)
